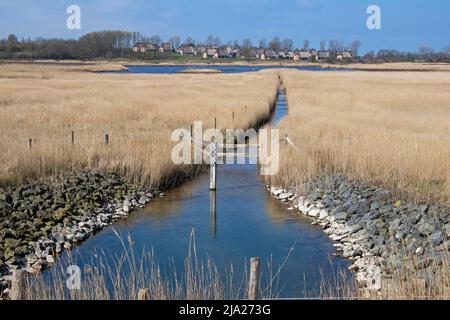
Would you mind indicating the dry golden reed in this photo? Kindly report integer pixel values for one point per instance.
(390, 128)
(46, 103)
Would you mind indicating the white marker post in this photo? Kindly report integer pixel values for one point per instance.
(213, 166)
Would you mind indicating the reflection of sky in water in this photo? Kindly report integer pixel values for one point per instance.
(224, 69)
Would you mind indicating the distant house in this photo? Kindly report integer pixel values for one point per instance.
(166, 47)
(139, 48)
(252, 54)
(212, 53)
(187, 51)
(201, 50)
(291, 55)
(224, 53)
(270, 54)
(304, 55)
(282, 55)
(324, 55)
(347, 55)
(296, 57)
(151, 47)
(235, 53)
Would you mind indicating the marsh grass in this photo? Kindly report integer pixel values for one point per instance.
(46, 103)
(131, 271)
(384, 128)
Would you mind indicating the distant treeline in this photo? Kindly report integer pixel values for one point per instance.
(102, 44)
(119, 44)
(424, 54)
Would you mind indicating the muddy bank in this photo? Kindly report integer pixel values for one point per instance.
(377, 232)
(40, 219)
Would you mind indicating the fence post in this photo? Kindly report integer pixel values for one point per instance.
(18, 285)
(30, 143)
(107, 139)
(143, 294)
(255, 275)
(213, 166)
(72, 138)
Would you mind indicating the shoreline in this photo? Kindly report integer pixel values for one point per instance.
(380, 235)
(121, 65)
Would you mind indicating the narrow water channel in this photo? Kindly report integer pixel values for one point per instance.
(245, 222)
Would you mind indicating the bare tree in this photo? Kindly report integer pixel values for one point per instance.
(155, 39)
(355, 45)
(210, 40)
(447, 50)
(323, 45)
(287, 44)
(189, 40)
(426, 52)
(275, 44)
(247, 43)
(175, 42)
(262, 43)
(306, 45)
(332, 45)
(217, 41)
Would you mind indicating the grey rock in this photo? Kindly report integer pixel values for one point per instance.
(436, 238)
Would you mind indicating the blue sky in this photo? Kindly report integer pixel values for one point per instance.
(406, 25)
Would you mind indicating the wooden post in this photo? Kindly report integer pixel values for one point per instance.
(213, 166)
(245, 108)
(107, 139)
(255, 275)
(232, 118)
(143, 294)
(191, 127)
(18, 285)
(72, 138)
(30, 143)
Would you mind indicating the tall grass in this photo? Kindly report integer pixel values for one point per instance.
(382, 127)
(131, 272)
(47, 102)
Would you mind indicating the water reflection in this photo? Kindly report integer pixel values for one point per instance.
(213, 212)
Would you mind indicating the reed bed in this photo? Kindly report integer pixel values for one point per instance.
(46, 103)
(388, 128)
(131, 272)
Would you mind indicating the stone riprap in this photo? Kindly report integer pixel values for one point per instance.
(378, 233)
(40, 219)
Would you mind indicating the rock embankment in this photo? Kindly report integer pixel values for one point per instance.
(40, 219)
(379, 234)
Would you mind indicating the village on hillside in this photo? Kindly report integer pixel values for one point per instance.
(236, 52)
